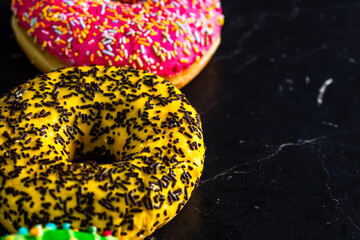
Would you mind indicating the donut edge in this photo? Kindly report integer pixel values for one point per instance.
(41, 59)
(46, 62)
(7, 225)
(185, 76)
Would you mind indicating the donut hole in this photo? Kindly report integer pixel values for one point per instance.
(99, 155)
(98, 159)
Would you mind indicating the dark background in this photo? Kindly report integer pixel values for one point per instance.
(279, 165)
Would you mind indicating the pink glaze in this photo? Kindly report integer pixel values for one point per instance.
(163, 36)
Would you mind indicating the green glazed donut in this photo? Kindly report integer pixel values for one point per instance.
(50, 232)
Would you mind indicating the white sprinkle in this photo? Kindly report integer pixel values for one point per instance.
(45, 32)
(142, 48)
(109, 37)
(169, 40)
(107, 42)
(197, 37)
(180, 25)
(70, 3)
(82, 23)
(175, 3)
(103, 9)
(33, 21)
(108, 53)
(126, 53)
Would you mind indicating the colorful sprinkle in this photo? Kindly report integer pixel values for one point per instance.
(23, 231)
(36, 231)
(66, 226)
(51, 226)
(146, 29)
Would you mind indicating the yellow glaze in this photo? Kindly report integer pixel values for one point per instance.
(54, 130)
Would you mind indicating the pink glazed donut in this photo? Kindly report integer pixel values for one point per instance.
(172, 38)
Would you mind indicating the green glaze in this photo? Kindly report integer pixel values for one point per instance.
(59, 234)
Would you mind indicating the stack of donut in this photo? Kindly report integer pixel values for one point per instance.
(103, 139)
(147, 135)
(172, 38)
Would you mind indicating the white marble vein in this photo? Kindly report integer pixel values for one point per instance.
(322, 91)
(300, 142)
(337, 201)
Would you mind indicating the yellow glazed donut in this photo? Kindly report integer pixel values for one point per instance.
(106, 146)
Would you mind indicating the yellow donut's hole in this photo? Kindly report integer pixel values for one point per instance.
(98, 159)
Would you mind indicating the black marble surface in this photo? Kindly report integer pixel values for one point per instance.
(280, 106)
